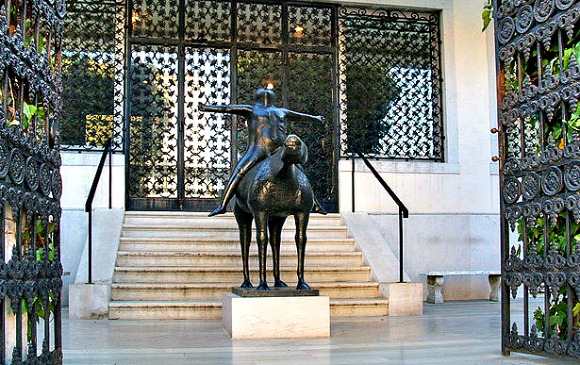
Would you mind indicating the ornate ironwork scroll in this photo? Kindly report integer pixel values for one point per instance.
(390, 83)
(93, 56)
(30, 182)
(539, 120)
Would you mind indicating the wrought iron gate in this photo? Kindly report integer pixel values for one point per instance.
(30, 182)
(538, 50)
(220, 52)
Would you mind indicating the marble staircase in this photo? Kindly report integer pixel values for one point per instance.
(175, 265)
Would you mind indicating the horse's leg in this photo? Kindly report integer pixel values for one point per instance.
(262, 240)
(275, 228)
(301, 220)
(244, 220)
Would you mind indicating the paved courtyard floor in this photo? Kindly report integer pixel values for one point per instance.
(450, 333)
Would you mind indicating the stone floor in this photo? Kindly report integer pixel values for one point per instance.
(450, 333)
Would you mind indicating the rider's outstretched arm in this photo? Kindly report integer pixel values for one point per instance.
(295, 115)
(243, 110)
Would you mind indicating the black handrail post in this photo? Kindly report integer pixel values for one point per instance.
(89, 202)
(352, 183)
(401, 245)
(90, 248)
(110, 177)
(403, 211)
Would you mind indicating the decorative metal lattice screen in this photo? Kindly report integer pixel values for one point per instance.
(92, 74)
(30, 182)
(539, 119)
(390, 83)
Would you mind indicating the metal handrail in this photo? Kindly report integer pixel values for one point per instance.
(403, 211)
(89, 202)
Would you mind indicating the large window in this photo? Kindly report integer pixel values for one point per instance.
(390, 84)
(92, 64)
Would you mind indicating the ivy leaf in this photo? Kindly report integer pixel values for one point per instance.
(39, 227)
(557, 319)
(39, 253)
(28, 36)
(40, 113)
(40, 44)
(576, 310)
(51, 227)
(487, 14)
(486, 17)
(51, 252)
(28, 110)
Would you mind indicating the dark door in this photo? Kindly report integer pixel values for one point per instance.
(220, 52)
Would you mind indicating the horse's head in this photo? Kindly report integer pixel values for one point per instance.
(294, 150)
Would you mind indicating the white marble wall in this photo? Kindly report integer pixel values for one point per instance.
(78, 171)
(454, 205)
(439, 242)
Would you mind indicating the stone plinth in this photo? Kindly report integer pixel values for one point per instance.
(276, 317)
(405, 299)
(275, 292)
(89, 301)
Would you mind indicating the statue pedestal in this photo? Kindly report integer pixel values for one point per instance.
(276, 316)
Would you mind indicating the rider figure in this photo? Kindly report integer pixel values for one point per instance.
(266, 133)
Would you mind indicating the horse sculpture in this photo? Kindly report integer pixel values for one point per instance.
(270, 192)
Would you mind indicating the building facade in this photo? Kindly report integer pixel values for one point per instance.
(408, 83)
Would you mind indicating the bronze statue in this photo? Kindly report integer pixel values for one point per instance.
(270, 192)
(266, 132)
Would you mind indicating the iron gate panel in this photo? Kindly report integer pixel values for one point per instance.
(153, 163)
(30, 182)
(207, 135)
(258, 67)
(539, 120)
(93, 57)
(315, 26)
(310, 84)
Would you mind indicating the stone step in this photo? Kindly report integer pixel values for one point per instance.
(161, 231)
(199, 309)
(209, 291)
(218, 244)
(212, 309)
(176, 265)
(201, 220)
(233, 259)
(220, 274)
(359, 307)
